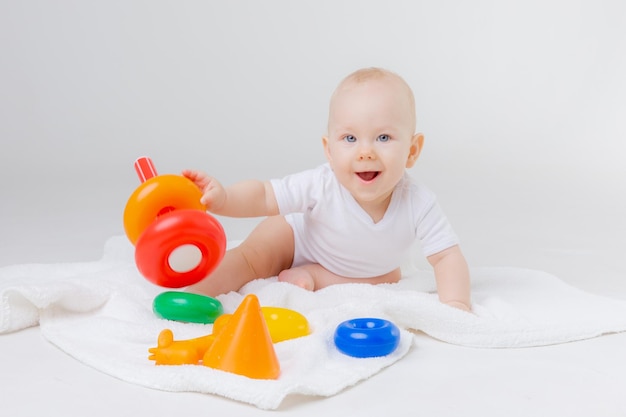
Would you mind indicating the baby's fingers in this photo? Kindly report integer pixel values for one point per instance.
(197, 177)
(213, 195)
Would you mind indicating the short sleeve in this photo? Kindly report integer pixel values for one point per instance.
(299, 192)
(435, 231)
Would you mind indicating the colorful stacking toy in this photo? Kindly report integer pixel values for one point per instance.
(176, 242)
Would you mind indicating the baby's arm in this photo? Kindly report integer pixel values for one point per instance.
(250, 198)
(452, 276)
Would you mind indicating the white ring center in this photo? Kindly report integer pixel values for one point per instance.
(184, 258)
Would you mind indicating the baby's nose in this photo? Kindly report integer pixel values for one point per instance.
(366, 155)
(366, 151)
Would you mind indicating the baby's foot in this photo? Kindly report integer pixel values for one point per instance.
(299, 277)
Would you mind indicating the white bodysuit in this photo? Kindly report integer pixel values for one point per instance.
(331, 229)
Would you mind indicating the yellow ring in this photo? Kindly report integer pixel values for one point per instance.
(157, 195)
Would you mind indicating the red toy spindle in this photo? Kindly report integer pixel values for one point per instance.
(145, 168)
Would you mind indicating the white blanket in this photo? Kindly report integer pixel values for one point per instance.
(101, 314)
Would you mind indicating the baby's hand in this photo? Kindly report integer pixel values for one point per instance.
(213, 192)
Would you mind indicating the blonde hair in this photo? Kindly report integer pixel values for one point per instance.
(374, 73)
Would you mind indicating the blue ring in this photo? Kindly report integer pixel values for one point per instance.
(367, 337)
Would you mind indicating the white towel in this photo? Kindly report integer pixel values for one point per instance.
(101, 314)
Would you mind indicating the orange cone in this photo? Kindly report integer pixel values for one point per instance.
(243, 345)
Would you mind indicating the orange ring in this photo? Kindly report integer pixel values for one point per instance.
(156, 196)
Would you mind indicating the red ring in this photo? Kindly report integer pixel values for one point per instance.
(174, 229)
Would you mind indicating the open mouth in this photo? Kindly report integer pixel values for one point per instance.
(368, 175)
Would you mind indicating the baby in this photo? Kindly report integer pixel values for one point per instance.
(353, 219)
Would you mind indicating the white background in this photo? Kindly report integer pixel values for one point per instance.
(510, 96)
(523, 105)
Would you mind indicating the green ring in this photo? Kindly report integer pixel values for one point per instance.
(187, 307)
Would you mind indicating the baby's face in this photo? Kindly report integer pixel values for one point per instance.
(371, 138)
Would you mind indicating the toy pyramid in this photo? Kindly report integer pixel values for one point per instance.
(243, 345)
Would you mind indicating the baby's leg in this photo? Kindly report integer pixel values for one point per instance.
(314, 277)
(265, 252)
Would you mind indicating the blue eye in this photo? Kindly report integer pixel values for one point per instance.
(384, 138)
(349, 138)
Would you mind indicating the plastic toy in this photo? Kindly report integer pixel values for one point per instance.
(285, 324)
(188, 351)
(187, 307)
(197, 234)
(282, 323)
(241, 342)
(155, 197)
(176, 242)
(243, 345)
(367, 337)
(182, 352)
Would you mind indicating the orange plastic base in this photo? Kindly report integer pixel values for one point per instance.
(179, 352)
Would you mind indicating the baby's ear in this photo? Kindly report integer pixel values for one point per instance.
(417, 142)
(326, 148)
